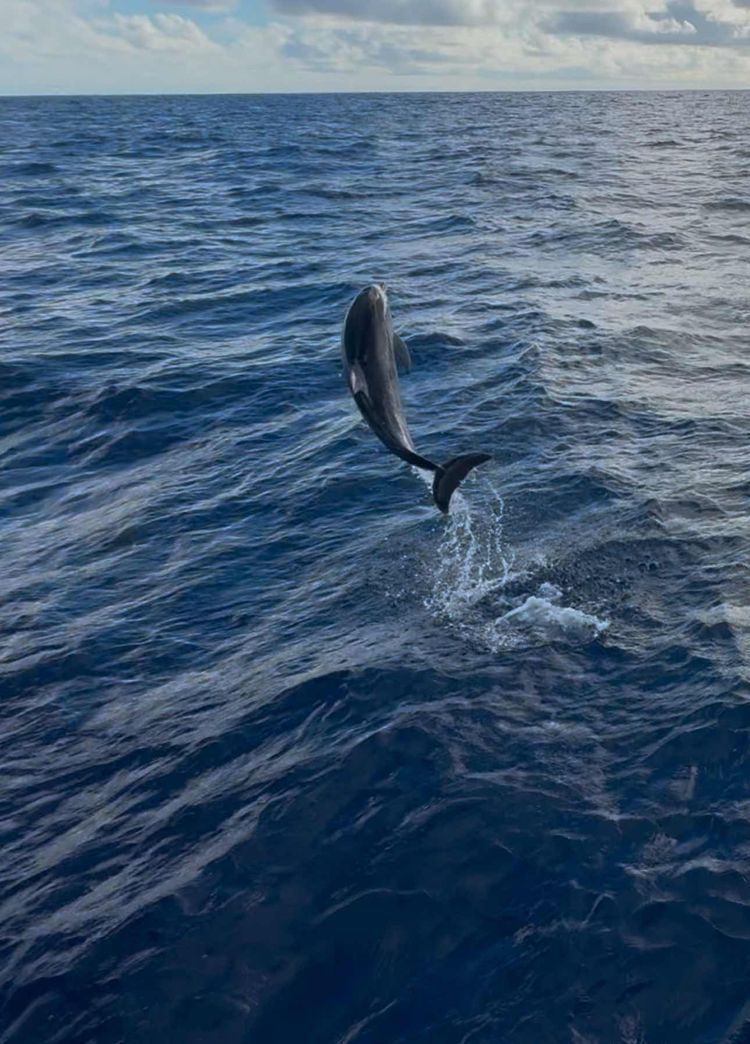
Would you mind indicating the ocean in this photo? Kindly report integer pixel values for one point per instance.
(285, 754)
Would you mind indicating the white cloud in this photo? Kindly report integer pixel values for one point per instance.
(400, 12)
(160, 32)
(211, 6)
(84, 45)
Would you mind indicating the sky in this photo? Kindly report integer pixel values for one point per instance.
(197, 46)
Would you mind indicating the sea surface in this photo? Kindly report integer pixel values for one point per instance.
(286, 756)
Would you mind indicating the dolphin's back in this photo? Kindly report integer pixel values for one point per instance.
(371, 373)
(370, 362)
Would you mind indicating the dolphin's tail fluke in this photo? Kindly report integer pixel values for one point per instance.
(448, 477)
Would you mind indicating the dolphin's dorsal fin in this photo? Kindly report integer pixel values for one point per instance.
(401, 352)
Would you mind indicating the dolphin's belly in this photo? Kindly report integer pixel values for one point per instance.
(386, 401)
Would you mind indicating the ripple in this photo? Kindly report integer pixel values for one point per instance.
(286, 754)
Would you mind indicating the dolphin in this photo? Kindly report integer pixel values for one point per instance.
(371, 351)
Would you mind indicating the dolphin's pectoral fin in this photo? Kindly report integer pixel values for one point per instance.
(357, 382)
(402, 353)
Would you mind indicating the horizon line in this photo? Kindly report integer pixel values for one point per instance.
(377, 92)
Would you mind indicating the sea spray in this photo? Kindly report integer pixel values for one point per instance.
(470, 572)
(470, 563)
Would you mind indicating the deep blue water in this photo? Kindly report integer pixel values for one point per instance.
(285, 755)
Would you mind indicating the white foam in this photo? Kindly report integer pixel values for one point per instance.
(468, 575)
(543, 611)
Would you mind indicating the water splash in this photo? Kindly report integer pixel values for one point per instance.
(470, 561)
(468, 581)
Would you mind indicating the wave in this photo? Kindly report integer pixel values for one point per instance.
(255, 687)
(730, 203)
(31, 169)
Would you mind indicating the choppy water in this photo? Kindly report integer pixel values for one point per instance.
(286, 756)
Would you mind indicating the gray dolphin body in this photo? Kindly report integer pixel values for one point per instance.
(371, 351)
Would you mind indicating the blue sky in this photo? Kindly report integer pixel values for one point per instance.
(143, 46)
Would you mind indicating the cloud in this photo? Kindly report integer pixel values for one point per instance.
(620, 25)
(70, 46)
(681, 22)
(399, 12)
(62, 46)
(393, 49)
(712, 23)
(162, 32)
(211, 6)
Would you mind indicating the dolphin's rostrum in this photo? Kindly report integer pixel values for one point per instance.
(371, 351)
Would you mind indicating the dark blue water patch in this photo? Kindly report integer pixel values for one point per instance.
(30, 170)
(731, 203)
(287, 755)
(57, 215)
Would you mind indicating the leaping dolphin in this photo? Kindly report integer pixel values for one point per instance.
(371, 351)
